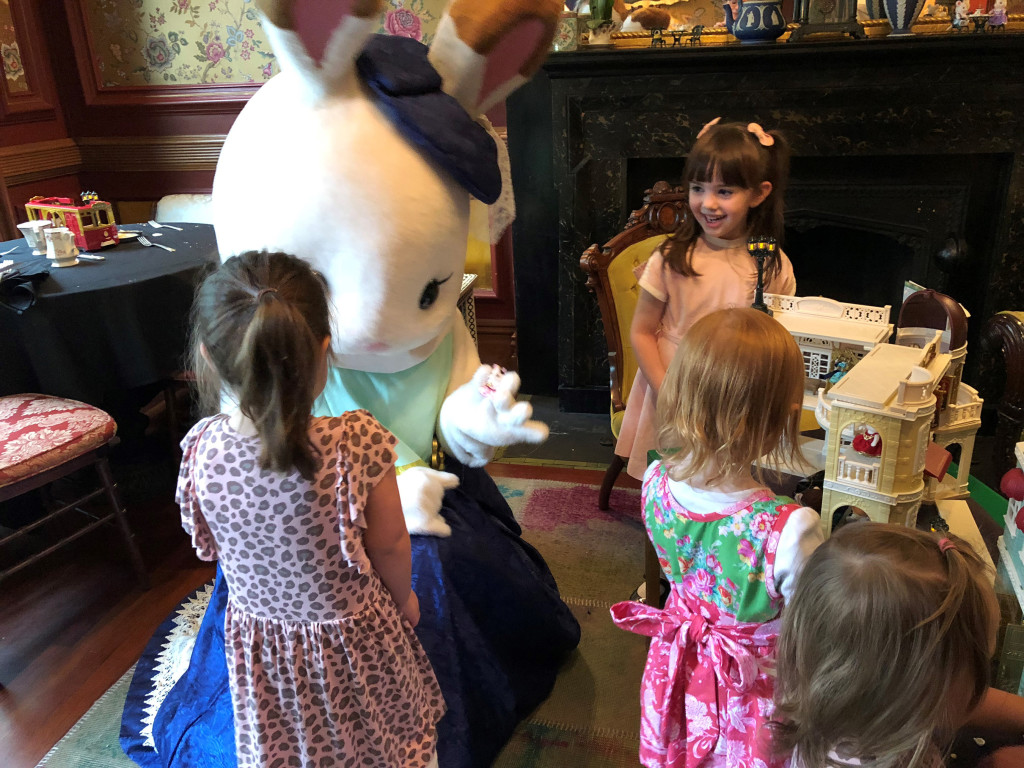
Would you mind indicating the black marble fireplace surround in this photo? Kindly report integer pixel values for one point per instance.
(899, 145)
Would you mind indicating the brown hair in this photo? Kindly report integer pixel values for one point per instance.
(732, 152)
(887, 628)
(729, 396)
(262, 318)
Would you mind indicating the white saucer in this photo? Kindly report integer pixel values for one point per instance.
(65, 264)
(126, 235)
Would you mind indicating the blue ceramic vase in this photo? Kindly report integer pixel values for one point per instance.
(901, 15)
(758, 21)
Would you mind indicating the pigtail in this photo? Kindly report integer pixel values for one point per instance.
(963, 611)
(276, 357)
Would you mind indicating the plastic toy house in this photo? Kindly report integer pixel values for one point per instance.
(832, 336)
(894, 409)
(891, 393)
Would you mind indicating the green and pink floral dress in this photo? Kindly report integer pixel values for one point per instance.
(708, 683)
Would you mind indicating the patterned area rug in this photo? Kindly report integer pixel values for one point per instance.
(591, 718)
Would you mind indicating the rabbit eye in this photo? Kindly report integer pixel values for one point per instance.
(431, 291)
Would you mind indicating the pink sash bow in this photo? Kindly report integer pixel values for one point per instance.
(723, 658)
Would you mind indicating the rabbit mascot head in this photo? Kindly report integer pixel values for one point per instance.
(360, 157)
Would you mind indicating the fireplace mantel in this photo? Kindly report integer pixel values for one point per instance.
(937, 118)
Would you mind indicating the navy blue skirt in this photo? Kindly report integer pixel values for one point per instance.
(492, 623)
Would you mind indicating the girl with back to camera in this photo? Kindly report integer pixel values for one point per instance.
(885, 652)
(737, 176)
(304, 517)
(731, 548)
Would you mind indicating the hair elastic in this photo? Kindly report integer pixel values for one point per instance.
(946, 544)
(264, 291)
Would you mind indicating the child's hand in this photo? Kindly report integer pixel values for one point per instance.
(411, 609)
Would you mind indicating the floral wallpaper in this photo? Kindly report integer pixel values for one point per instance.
(194, 42)
(14, 73)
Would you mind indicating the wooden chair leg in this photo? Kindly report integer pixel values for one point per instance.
(610, 475)
(652, 574)
(103, 467)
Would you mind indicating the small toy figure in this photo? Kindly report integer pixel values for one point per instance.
(960, 14)
(868, 442)
(998, 18)
(841, 369)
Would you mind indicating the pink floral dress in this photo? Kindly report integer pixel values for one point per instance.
(707, 686)
(323, 668)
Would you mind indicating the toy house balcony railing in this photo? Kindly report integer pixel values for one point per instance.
(856, 472)
(966, 409)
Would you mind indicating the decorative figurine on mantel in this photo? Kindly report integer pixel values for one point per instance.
(845, 22)
(756, 21)
(998, 19)
(605, 17)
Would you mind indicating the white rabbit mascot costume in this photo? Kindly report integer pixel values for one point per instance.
(361, 157)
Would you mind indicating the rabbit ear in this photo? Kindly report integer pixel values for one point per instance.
(321, 38)
(485, 50)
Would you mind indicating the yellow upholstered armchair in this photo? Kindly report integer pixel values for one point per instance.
(1004, 333)
(612, 273)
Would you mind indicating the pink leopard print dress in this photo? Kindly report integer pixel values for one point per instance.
(324, 670)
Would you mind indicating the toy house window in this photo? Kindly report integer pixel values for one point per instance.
(817, 363)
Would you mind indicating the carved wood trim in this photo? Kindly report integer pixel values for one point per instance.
(25, 163)
(32, 105)
(148, 153)
(664, 207)
(1004, 332)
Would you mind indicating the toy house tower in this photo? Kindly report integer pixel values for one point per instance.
(890, 396)
(958, 407)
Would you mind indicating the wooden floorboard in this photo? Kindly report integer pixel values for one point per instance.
(73, 623)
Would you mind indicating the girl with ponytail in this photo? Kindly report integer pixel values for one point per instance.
(304, 517)
(885, 652)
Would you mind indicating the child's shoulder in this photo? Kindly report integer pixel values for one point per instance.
(358, 420)
(353, 429)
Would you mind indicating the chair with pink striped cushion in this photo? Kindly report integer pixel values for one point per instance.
(44, 438)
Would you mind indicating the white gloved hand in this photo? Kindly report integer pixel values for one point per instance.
(422, 490)
(483, 414)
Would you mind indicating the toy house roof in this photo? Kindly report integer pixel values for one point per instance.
(931, 309)
(831, 320)
(875, 380)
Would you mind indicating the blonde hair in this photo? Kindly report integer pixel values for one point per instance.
(262, 318)
(887, 628)
(731, 395)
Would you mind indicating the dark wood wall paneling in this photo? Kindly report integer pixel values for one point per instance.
(135, 144)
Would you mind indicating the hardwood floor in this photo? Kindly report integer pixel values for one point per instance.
(72, 624)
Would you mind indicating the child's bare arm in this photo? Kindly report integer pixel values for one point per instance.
(643, 336)
(387, 543)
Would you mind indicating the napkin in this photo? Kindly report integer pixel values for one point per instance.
(18, 286)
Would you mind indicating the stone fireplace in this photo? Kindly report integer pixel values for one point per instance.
(908, 165)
